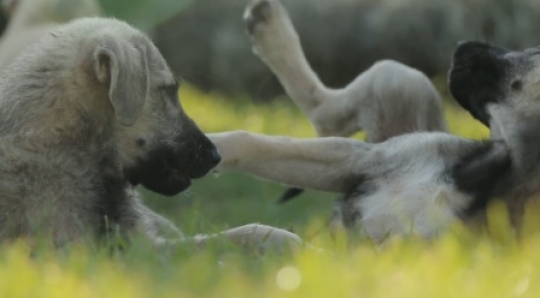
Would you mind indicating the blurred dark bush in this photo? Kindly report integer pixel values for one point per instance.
(144, 14)
(207, 45)
(3, 22)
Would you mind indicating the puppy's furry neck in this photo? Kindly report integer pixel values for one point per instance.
(520, 132)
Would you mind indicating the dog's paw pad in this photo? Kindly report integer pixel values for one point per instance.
(256, 14)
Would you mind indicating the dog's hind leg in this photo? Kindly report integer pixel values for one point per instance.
(386, 100)
(327, 164)
(276, 42)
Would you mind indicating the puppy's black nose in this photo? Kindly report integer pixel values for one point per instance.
(216, 158)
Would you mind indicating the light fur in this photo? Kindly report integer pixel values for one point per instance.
(386, 100)
(399, 180)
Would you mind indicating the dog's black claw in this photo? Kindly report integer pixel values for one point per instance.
(258, 15)
(290, 194)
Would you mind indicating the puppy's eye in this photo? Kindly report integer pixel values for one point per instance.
(178, 81)
(516, 85)
(170, 91)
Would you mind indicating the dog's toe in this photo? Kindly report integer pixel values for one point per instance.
(256, 14)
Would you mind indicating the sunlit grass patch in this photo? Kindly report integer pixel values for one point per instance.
(214, 113)
(457, 264)
(461, 123)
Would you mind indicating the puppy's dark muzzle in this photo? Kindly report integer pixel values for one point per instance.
(198, 155)
(216, 158)
(204, 161)
(476, 76)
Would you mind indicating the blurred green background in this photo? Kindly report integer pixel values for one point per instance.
(145, 14)
(205, 42)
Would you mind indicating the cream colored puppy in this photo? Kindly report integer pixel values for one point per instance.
(86, 114)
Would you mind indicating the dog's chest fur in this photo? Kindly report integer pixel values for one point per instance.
(409, 186)
(423, 203)
(65, 196)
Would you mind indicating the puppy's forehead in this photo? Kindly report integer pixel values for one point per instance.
(527, 57)
(160, 73)
(93, 28)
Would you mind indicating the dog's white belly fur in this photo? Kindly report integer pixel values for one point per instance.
(418, 200)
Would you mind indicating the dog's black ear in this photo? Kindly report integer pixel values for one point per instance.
(476, 77)
(462, 89)
(481, 172)
(124, 68)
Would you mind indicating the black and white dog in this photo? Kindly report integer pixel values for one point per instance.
(420, 181)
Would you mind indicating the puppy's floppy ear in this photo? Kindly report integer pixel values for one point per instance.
(123, 66)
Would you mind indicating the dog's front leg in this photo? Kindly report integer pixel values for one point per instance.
(253, 238)
(327, 164)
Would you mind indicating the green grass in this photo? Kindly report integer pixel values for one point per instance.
(461, 263)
